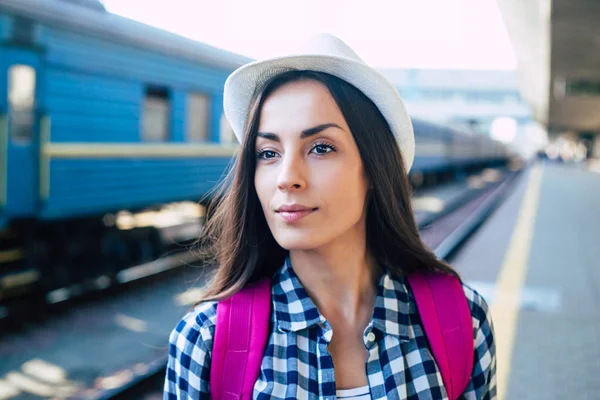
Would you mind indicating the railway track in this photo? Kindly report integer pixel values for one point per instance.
(21, 291)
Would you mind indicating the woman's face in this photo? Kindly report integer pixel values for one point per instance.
(309, 175)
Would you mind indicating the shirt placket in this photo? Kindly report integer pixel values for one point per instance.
(374, 371)
(326, 376)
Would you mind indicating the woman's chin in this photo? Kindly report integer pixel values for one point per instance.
(298, 241)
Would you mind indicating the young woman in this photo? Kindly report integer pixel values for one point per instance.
(319, 201)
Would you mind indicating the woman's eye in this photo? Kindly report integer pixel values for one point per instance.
(323, 149)
(266, 154)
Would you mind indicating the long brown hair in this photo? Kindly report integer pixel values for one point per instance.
(236, 234)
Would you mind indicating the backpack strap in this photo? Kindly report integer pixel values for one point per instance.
(240, 339)
(242, 331)
(446, 317)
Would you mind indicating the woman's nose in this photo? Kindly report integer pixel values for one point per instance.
(292, 175)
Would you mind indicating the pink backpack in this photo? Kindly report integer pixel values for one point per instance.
(242, 331)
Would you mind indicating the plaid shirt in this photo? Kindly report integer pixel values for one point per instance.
(297, 364)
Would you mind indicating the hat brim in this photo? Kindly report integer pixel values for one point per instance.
(241, 85)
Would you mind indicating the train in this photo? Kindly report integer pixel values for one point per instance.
(101, 115)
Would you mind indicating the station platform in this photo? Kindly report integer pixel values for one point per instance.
(536, 261)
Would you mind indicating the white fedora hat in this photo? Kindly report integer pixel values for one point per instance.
(322, 53)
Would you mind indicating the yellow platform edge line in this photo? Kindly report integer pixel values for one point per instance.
(506, 304)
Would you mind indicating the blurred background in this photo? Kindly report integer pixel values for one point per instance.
(112, 138)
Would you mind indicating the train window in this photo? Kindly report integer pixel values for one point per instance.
(198, 117)
(22, 30)
(21, 100)
(156, 116)
(227, 135)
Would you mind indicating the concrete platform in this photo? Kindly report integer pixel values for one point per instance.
(537, 263)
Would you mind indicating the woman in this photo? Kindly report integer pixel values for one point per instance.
(319, 200)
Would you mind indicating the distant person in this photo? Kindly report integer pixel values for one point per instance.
(317, 210)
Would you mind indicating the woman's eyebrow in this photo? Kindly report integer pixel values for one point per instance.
(313, 131)
(305, 133)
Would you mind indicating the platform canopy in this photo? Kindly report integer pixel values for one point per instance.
(557, 44)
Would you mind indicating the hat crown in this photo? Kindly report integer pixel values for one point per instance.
(328, 45)
(322, 53)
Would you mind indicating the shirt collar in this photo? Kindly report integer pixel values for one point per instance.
(392, 308)
(295, 311)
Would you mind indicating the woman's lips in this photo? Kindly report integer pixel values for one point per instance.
(293, 216)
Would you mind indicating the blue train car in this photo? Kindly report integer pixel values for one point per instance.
(103, 113)
(442, 153)
(99, 113)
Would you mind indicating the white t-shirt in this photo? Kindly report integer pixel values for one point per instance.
(359, 393)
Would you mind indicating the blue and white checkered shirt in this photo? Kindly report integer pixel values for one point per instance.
(298, 365)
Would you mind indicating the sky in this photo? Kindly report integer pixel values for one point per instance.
(428, 34)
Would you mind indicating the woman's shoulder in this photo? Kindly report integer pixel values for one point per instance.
(196, 328)
(480, 310)
(483, 327)
(483, 377)
(190, 348)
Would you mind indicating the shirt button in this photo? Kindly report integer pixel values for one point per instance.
(371, 337)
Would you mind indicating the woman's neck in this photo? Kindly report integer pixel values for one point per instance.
(340, 279)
